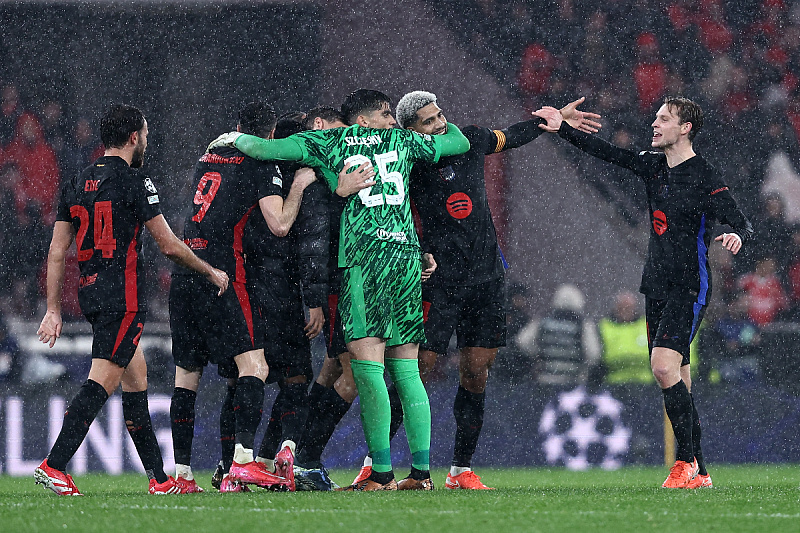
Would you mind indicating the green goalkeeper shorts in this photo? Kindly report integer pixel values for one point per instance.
(383, 298)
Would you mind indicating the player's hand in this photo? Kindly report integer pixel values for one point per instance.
(730, 241)
(220, 279)
(580, 120)
(552, 116)
(316, 319)
(224, 140)
(50, 328)
(303, 177)
(352, 181)
(428, 266)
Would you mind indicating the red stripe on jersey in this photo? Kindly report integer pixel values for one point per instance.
(131, 279)
(127, 320)
(238, 252)
(426, 306)
(244, 302)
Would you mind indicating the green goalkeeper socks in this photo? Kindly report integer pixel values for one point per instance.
(376, 413)
(416, 409)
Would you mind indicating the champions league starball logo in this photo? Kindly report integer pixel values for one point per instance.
(582, 430)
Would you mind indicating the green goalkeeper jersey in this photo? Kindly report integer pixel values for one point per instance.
(376, 215)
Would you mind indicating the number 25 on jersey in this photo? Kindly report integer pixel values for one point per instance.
(382, 160)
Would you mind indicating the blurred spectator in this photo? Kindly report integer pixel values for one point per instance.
(10, 355)
(793, 273)
(82, 149)
(730, 344)
(564, 344)
(9, 177)
(626, 357)
(772, 230)
(764, 292)
(535, 71)
(512, 363)
(27, 249)
(650, 73)
(10, 111)
(37, 165)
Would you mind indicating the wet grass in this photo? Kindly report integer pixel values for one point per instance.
(745, 498)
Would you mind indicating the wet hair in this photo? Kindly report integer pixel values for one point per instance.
(117, 124)
(687, 111)
(409, 104)
(324, 112)
(257, 118)
(363, 101)
(289, 124)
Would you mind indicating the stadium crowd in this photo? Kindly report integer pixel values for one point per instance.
(745, 71)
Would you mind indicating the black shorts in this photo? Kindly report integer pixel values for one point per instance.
(672, 323)
(116, 335)
(477, 313)
(334, 335)
(280, 304)
(207, 328)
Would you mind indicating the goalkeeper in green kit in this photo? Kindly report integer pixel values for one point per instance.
(381, 295)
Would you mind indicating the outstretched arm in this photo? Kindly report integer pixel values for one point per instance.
(263, 149)
(451, 143)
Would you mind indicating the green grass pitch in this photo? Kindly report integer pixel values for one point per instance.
(763, 498)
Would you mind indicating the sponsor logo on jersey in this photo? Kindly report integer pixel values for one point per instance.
(277, 181)
(717, 191)
(363, 141)
(85, 281)
(459, 205)
(148, 184)
(659, 222)
(152, 199)
(91, 185)
(214, 158)
(196, 244)
(447, 173)
(399, 236)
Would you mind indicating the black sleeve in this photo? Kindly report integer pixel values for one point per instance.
(725, 208)
(518, 134)
(313, 242)
(145, 201)
(604, 150)
(63, 210)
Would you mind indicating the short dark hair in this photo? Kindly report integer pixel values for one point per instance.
(361, 101)
(687, 111)
(257, 118)
(324, 112)
(118, 123)
(289, 124)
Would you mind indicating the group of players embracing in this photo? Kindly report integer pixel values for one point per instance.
(334, 188)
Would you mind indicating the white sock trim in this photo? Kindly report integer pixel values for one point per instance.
(242, 455)
(457, 470)
(184, 471)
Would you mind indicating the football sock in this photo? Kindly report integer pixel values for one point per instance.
(458, 470)
(419, 475)
(136, 411)
(248, 403)
(678, 404)
(227, 428)
(315, 394)
(330, 410)
(79, 416)
(375, 412)
(272, 436)
(381, 477)
(397, 411)
(696, 434)
(416, 408)
(468, 409)
(181, 412)
(295, 412)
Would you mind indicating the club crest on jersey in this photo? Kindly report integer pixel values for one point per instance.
(369, 140)
(447, 173)
(148, 184)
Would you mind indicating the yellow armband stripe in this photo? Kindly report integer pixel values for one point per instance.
(501, 141)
